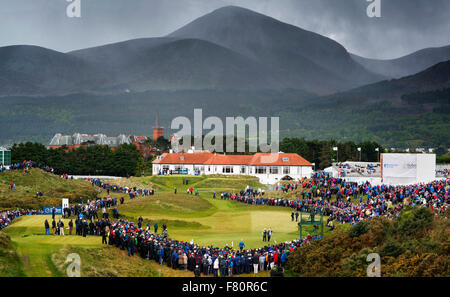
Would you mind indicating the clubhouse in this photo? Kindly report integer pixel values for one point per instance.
(268, 167)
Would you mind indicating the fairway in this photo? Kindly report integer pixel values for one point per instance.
(206, 221)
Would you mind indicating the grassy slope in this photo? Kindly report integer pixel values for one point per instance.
(10, 263)
(53, 187)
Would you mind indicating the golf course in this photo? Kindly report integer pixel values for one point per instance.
(26, 251)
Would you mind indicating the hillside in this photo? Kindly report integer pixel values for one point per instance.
(387, 122)
(385, 111)
(406, 65)
(307, 60)
(32, 70)
(434, 78)
(414, 245)
(173, 64)
(53, 187)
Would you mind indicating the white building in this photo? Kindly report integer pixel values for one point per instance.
(268, 167)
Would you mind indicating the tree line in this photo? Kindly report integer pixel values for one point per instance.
(124, 160)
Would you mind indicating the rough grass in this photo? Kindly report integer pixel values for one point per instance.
(228, 183)
(138, 182)
(169, 205)
(52, 186)
(10, 264)
(103, 262)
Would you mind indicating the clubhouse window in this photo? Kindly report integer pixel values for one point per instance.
(261, 170)
(273, 170)
(227, 169)
(286, 170)
(242, 169)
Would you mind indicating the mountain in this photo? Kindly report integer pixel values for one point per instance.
(172, 64)
(307, 60)
(33, 70)
(407, 65)
(230, 48)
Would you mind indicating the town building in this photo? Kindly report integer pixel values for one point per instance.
(83, 140)
(268, 167)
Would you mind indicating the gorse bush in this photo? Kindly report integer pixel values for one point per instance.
(415, 244)
(359, 229)
(413, 221)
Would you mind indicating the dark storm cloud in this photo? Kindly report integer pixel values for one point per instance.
(405, 26)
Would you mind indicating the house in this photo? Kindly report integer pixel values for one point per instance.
(268, 167)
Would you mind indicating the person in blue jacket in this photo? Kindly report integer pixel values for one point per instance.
(174, 260)
(241, 244)
(283, 259)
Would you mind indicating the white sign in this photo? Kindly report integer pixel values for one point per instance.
(65, 203)
(399, 165)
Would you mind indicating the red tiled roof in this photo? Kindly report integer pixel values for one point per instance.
(258, 159)
(219, 159)
(184, 158)
(278, 159)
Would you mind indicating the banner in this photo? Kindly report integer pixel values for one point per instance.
(48, 210)
(399, 165)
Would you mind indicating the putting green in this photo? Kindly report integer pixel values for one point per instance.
(210, 221)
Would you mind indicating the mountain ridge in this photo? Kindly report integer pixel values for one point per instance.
(406, 65)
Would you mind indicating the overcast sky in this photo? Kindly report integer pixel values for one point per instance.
(405, 25)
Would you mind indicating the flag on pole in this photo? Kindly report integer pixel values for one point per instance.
(377, 149)
(335, 148)
(359, 149)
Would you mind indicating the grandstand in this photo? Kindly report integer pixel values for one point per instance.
(442, 170)
(355, 169)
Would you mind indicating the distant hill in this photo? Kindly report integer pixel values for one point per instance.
(434, 78)
(307, 60)
(33, 70)
(411, 111)
(407, 65)
(230, 48)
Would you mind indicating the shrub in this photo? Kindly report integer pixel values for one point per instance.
(359, 229)
(413, 221)
(392, 249)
